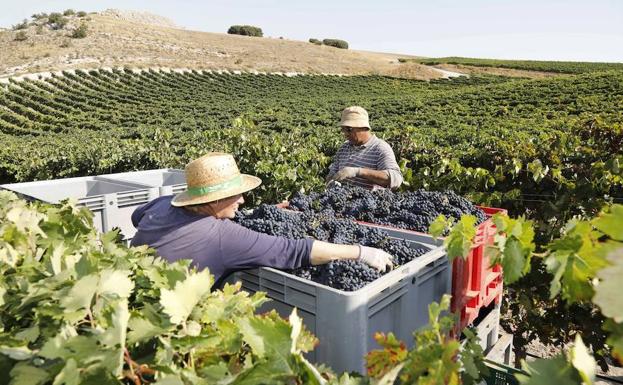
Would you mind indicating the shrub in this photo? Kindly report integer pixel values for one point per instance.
(315, 41)
(336, 43)
(246, 30)
(22, 25)
(80, 32)
(81, 14)
(21, 36)
(56, 20)
(38, 16)
(69, 12)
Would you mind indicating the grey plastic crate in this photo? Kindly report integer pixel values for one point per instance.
(168, 180)
(112, 202)
(345, 322)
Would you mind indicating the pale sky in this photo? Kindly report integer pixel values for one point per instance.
(583, 30)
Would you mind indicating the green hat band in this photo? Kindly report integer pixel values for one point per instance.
(196, 191)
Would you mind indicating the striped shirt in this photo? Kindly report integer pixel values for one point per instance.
(375, 154)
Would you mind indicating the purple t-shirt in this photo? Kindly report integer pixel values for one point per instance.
(218, 244)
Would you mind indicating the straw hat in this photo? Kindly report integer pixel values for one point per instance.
(212, 177)
(355, 116)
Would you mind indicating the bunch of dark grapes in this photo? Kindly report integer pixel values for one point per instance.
(414, 210)
(342, 275)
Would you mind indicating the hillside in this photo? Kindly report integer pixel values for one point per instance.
(130, 39)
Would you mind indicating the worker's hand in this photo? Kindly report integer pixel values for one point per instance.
(375, 258)
(346, 173)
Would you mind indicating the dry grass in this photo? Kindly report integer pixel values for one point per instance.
(112, 42)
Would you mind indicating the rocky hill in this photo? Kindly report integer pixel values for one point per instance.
(136, 39)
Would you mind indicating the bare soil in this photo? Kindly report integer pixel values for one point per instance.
(114, 41)
(495, 71)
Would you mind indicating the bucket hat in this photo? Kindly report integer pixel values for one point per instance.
(355, 116)
(212, 177)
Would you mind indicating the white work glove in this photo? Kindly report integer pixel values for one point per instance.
(346, 173)
(375, 258)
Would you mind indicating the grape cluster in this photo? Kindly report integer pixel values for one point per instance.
(347, 275)
(414, 210)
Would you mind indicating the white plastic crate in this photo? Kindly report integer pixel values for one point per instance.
(111, 202)
(345, 322)
(168, 180)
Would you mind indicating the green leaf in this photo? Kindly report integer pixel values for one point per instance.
(583, 362)
(552, 371)
(179, 302)
(611, 223)
(460, 240)
(18, 353)
(607, 293)
(69, 375)
(141, 329)
(615, 339)
(438, 226)
(170, 380)
(514, 261)
(81, 294)
(116, 283)
(24, 374)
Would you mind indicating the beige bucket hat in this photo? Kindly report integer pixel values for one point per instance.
(355, 116)
(212, 177)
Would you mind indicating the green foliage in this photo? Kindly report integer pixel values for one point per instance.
(531, 65)
(39, 16)
(434, 358)
(80, 32)
(246, 30)
(23, 25)
(78, 309)
(337, 43)
(514, 245)
(21, 36)
(69, 12)
(315, 41)
(57, 20)
(81, 14)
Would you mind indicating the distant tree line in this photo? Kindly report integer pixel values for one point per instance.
(245, 30)
(330, 42)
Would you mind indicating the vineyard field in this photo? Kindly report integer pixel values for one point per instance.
(563, 67)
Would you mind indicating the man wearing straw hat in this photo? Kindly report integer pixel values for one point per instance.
(363, 160)
(196, 225)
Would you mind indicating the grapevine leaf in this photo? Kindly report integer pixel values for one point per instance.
(607, 294)
(115, 282)
(611, 223)
(115, 335)
(438, 226)
(24, 374)
(268, 335)
(615, 339)
(460, 240)
(69, 375)
(18, 353)
(179, 302)
(552, 371)
(514, 261)
(381, 361)
(81, 294)
(583, 362)
(170, 379)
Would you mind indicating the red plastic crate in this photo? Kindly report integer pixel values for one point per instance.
(474, 283)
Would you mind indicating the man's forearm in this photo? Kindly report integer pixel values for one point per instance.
(380, 177)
